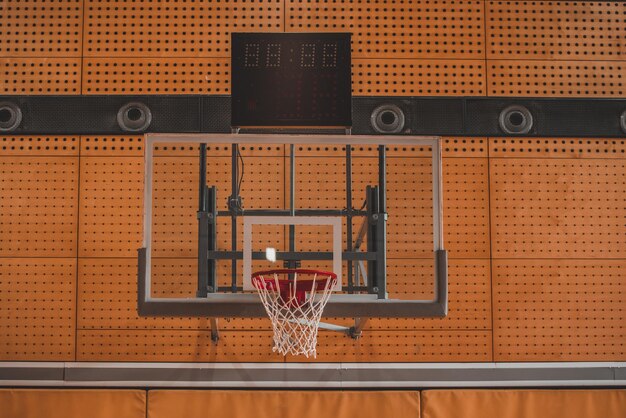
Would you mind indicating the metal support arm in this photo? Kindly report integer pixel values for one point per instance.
(215, 331)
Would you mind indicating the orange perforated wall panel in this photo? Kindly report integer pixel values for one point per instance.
(534, 226)
(417, 48)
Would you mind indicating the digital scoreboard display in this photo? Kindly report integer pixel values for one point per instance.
(291, 79)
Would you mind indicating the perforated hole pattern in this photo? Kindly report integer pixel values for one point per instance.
(580, 30)
(41, 28)
(555, 209)
(558, 148)
(572, 310)
(37, 308)
(38, 206)
(39, 145)
(399, 48)
(558, 208)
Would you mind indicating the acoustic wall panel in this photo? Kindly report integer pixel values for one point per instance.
(469, 292)
(559, 310)
(111, 146)
(156, 76)
(41, 29)
(37, 309)
(174, 346)
(404, 77)
(410, 223)
(569, 148)
(40, 76)
(558, 208)
(401, 29)
(466, 207)
(107, 297)
(255, 346)
(39, 202)
(465, 147)
(107, 289)
(555, 30)
(404, 346)
(534, 78)
(111, 206)
(553, 208)
(45, 145)
(174, 28)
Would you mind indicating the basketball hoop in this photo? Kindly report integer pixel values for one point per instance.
(294, 300)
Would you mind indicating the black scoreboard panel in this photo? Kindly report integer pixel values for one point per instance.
(291, 79)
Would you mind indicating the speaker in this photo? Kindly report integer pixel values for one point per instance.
(381, 116)
(10, 116)
(388, 118)
(134, 117)
(516, 120)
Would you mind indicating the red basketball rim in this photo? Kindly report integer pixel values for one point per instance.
(268, 280)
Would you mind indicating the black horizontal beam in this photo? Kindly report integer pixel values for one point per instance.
(463, 116)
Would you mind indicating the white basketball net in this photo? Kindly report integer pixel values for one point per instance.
(295, 324)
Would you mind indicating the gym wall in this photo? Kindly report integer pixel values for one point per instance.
(534, 226)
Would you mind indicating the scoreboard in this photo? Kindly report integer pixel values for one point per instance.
(291, 79)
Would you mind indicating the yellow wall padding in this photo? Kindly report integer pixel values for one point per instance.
(281, 404)
(524, 403)
(72, 403)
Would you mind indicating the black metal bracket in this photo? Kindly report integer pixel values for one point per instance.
(207, 239)
(355, 332)
(215, 331)
(207, 233)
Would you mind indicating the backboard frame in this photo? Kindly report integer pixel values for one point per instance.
(249, 305)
